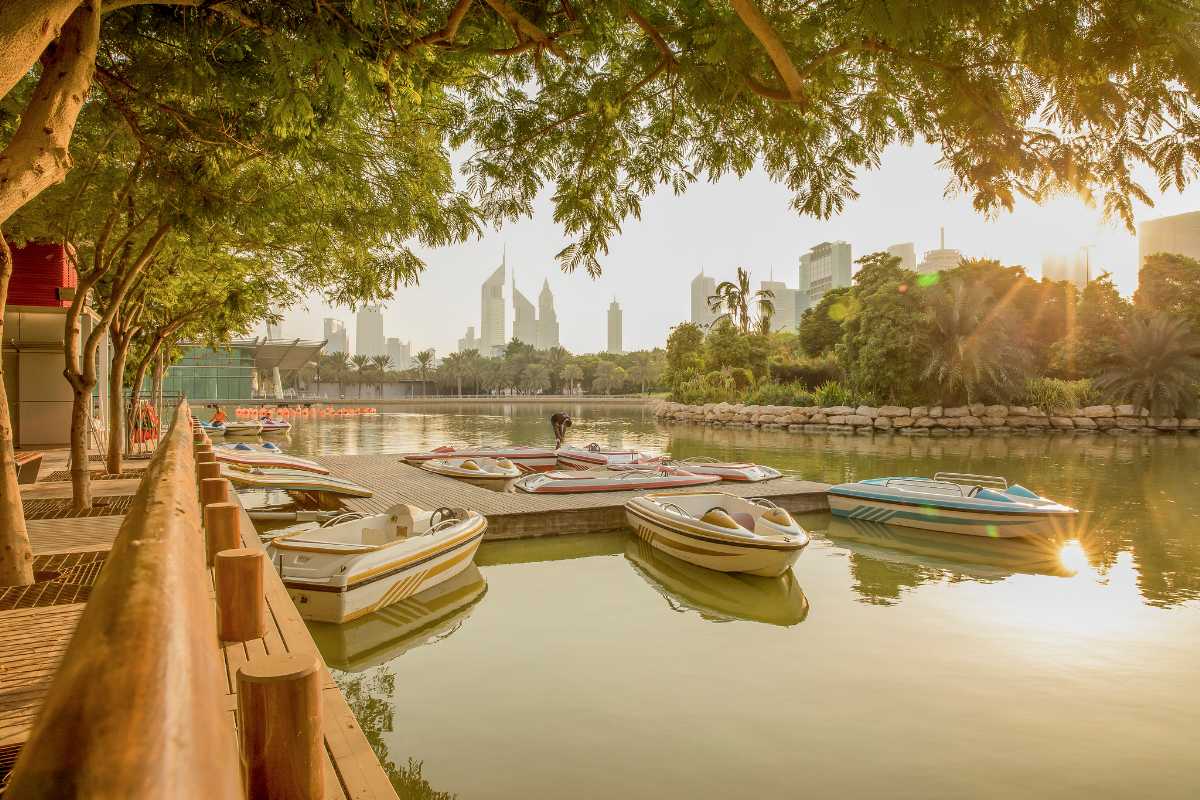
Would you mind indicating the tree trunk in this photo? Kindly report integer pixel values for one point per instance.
(16, 556)
(116, 403)
(160, 369)
(459, 377)
(26, 28)
(81, 483)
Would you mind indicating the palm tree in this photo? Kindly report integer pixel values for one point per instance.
(609, 376)
(361, 364)
(338, 363)
(735, 298)
(535, 378)
(572, 373)
(424, 361)
(555, 359)
(454, 366)
(472, 367)
(1157, 366)
(765, 300)
(970, 349)
(381, 363)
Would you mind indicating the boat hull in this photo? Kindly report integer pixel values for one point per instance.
(600, 481)
(930, 517)
(387, 586)
(696, 546)
(528, 457)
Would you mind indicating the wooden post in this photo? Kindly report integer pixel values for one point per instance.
(241, 606)
(279, 715)
(222, 529)
(208, 469)
(214, 490)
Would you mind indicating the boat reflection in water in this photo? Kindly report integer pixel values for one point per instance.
(422, 619)
(718, 596)
(967, 556)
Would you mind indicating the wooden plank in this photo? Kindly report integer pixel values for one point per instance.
(73, 535)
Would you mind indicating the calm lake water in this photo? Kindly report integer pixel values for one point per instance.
(891, 663)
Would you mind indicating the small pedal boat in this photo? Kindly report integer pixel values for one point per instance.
(564, 482)
(265, 458)
(237, 427)
(719, 531)
(272, 425)
(479, 471)
(213, 428)
(725, 470)
(522, 456)
(291, 480)
(953, 502)
(596, 456)
(253, 447)
(357, 564)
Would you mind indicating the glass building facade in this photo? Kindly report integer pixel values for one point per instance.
(206, 374)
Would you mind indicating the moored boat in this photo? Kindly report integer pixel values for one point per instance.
(534, 457)
(272, 425)
(343, 570)
(567, 482)
(266, 458)
(596, 456)
(239, 427)
(213, 428)
(255, 447)
(291, 480)
(743, 472)
(477, 471)
(719, 531)
(953, 502)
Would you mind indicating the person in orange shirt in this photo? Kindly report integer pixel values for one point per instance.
(218, 417)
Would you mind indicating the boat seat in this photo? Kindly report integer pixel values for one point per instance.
(378, 536)
(406, 517)
(743, 518)
(724, 519)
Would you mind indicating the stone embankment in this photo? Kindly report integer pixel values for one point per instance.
(929, 420)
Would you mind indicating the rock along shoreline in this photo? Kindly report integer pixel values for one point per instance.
(929, 420)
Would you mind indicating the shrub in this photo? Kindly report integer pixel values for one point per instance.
(742, 378)
(810, 372)
(832, 393)
(1055, 394)
(698, 391)
(779, 394)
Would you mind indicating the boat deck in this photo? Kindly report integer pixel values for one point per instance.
(513, 515)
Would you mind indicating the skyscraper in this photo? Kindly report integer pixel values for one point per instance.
(786, 315)
(524, 318)
(336, 340)
(368, 339)
(1177, 234)
(1070, 267)
(906, 252)
(703, 287)
(491, 312)
(614, 328)
(940, 259)
(400, 353)
(547, 324)
(469, 342)
(824, 267)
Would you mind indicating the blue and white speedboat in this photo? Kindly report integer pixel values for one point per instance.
(953, 502)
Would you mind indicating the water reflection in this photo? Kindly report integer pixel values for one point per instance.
(422, 619)
(718, 596)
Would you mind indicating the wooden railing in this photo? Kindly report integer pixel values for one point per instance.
(135, 708)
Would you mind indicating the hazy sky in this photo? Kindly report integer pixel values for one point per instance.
(728, 224)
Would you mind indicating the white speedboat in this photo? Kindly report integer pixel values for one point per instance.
(356, 564)
(565, 482)
(242, 427)
(719, 531)
(596, 456)
(725, 470)
(953, 502)
(213, 428)
(272, 425)
(291, 480)
(477, 471)
(534, 457)
(233, 454)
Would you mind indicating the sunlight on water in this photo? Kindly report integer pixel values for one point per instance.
(892, 662)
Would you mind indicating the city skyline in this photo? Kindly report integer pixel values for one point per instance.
(746, 222)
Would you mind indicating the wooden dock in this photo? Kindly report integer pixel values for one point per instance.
(512, 515)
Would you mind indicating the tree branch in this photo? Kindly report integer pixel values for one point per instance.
(447, 33)
(762, 30)
(526, 29)
(653, 33)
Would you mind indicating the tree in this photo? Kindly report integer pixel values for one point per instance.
(735, 297)
(685, 352)
(572, 374)
(1157, 366)
(821, 325)
(424, 363)
(361, 363)
(381, 363)
(1170, 283)
(609, 378)
(646, 368)
(970, 350)
(535, 378)
(1093, 341)
(454, 368)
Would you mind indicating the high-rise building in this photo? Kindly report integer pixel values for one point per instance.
(524, 318)
(906, 252)
(1177, 234)
(336, 340)
(491, 312)
(940, 259)
(547, 324)
(703, 287)
(614, 328)
(824, 267)
(469, 342)
(400, 353)
(1071, 267)
(787, 314)
(368, 339)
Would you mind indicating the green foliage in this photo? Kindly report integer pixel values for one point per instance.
(779, 394)
(808, 371)
(685, 352)
(833, 393)
(821, 325)
(1055, 394)
(1170, 283)
(1092, 343)
(1157, 366)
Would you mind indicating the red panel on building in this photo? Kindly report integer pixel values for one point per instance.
(40, 271)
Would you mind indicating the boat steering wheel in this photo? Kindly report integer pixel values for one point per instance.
(441, 517)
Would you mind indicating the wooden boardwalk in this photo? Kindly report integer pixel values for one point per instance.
(514, 515)
(32, 642)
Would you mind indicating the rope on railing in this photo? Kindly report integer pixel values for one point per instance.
(135, 710)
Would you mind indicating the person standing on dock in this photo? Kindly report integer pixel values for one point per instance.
(560, 422)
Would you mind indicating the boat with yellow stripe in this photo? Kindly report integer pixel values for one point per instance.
(719, 531)
(355, 564)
